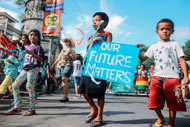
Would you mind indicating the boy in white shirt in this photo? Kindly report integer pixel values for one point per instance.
(165, 78)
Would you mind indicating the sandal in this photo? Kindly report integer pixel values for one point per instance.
(29, 112)
(13, 111)
(96, 123)
(158, 125)
(90, 117)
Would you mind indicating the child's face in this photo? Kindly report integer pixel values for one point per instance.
(164, 30)
(24, 39)
(33, 38)
(96, 22)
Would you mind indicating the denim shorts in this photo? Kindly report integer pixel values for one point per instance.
(66, 71)
(76, 80)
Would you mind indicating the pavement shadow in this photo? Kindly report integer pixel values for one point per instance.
(180, 122)
(111, 113)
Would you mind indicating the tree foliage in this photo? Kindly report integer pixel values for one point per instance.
(20, 3)
(186, 50)
(147, 62)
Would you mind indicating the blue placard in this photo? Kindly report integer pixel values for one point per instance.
(112, 61)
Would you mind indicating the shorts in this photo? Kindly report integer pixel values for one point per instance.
(66, 71)
(76, 80)
(162, 90)
(91, 89)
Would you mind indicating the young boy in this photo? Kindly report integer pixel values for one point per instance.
(166, 54)
(87, 87)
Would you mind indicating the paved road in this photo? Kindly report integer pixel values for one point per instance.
(120, 111)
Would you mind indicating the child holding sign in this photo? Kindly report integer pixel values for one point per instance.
(166, 54)
(87, 87)
(33, 56)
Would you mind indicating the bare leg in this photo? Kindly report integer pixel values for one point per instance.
(94, 109)
(160, 119)
(100, 109)
(76, 90)
(172, 118)
(65, 87)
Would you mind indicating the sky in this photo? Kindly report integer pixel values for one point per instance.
(131, 21)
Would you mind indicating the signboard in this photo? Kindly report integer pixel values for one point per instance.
(52, 17)
(121, 88)
(112, 61)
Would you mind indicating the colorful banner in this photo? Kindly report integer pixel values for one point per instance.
(121, 88)
(112, 61)
(6, 43)
(52, 17)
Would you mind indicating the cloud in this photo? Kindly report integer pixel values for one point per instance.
(84, 23)
(103, 6)
(117, 25)
(181, 33)
(13, 14)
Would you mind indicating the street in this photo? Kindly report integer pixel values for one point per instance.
(119, 111)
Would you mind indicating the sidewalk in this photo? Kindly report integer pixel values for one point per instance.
(119, 111)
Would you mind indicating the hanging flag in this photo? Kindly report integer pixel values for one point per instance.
(52, 17)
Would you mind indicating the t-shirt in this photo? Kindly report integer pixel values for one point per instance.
(166, 56)
(44, 72)
(77, 68)
(11, 69)
(31, 62)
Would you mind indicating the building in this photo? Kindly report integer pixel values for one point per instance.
(7, 25)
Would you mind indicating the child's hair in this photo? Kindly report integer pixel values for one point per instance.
(79, 57)
(45, 58)
(37, 33)
(166, 21)
(103, 16)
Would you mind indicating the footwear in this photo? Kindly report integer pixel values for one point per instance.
(77, 97)
(96, 123)
(29, 112)
(158, 125)
(1, 95)
(8, 97)
(89, 118)
(64, 100)
(13, 111)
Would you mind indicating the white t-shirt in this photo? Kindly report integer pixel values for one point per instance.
(77, 68)
(166, 56)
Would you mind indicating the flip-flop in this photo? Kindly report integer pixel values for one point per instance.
(96, 123)
(158, 125)
(89, 118)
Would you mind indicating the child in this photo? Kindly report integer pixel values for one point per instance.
(77, 73)
(66, 58)
(142, 72)
(166, 54)
(87, 87)
(33, 58)
(11, 72)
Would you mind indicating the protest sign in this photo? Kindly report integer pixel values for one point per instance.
(112, 61)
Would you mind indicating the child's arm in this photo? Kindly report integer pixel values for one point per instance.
(39, 58)
(9, 61)
(141, 56)
(109, 38)
(48, 74)
(184, 69)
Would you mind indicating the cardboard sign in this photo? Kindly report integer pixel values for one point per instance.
(52, 17)
(112, 61)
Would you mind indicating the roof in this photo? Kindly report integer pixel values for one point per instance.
(9, 16)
